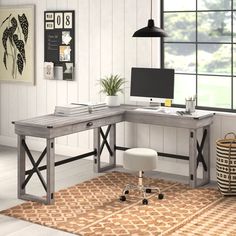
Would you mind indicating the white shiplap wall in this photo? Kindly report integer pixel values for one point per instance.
(104, 45)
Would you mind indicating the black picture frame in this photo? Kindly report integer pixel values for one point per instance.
(59, 42)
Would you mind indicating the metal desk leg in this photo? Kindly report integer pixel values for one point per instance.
(21, 165)
(206, 154)
(192, 158)
(50, 171)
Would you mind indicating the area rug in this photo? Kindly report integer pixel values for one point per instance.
(216, 221)
(93, 208)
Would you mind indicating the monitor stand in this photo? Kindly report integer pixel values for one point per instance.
(155, 106)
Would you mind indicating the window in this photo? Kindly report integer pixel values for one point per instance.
(201, 47)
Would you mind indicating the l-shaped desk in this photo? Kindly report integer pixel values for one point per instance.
(51, 126)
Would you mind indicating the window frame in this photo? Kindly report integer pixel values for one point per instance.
(196, 43)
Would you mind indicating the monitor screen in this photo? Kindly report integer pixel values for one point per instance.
(152, 83)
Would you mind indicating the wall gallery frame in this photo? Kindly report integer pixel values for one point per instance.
(17, 59)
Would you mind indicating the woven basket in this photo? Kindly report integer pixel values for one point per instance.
(226, 164)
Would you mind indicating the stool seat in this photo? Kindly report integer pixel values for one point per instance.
(140, 159)
(137, 159)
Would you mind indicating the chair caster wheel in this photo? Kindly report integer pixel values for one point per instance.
(148, 190)
(122, 198)
(127, 192)
(160, 196)
(145, 201)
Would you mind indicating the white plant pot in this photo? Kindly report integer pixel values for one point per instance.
(112, 101)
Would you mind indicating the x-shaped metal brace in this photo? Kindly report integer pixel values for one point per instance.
(35, 168)
(105, 142)
(200, 157)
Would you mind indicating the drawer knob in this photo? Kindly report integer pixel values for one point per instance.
(89, 124)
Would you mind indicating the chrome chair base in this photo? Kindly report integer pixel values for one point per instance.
(143, 190)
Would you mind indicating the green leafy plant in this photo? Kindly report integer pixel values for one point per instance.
(112, 84)
(14, 38)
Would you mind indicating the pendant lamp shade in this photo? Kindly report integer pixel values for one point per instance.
(151, 30)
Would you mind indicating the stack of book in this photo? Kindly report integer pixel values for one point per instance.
(97, 106)
(75, 109)
(71, 110)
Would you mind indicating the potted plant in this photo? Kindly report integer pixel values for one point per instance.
(111, 85)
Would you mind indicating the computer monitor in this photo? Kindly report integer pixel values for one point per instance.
(151, 84)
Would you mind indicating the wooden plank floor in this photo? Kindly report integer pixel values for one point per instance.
(66, 175)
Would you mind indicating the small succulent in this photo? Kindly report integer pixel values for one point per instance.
(111, 85)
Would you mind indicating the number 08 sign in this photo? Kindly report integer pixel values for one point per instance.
(60, 42)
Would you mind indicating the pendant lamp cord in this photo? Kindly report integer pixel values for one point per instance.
(151, 9)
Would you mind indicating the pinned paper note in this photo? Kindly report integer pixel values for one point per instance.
(48, 70)
(66, 38)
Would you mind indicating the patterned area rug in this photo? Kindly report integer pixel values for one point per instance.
(216, 221)
(93, 208)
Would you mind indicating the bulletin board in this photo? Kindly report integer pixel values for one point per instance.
(59, 44)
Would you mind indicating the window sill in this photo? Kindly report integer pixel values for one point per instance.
(228, 114)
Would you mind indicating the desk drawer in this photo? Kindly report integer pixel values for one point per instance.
(97, 123)
(82, 126)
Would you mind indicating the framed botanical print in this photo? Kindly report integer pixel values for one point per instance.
(17, 60)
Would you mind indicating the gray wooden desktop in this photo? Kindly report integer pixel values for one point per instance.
(50, 127)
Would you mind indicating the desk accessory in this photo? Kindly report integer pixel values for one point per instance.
(190, 103)
(111, 86)
(183, 113)
(76, 109)
(168, 102)
(70, 110)
(48, 70)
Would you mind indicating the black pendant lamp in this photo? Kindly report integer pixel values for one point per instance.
(151, 30)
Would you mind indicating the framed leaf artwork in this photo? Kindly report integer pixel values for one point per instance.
(17, 58)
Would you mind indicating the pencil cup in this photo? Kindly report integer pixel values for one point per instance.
(190, 106)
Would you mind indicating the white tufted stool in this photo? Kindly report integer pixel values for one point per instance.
(140, 159)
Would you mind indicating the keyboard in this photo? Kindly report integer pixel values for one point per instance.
(154, 110)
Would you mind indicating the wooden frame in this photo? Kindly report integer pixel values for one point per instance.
(17, 59)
